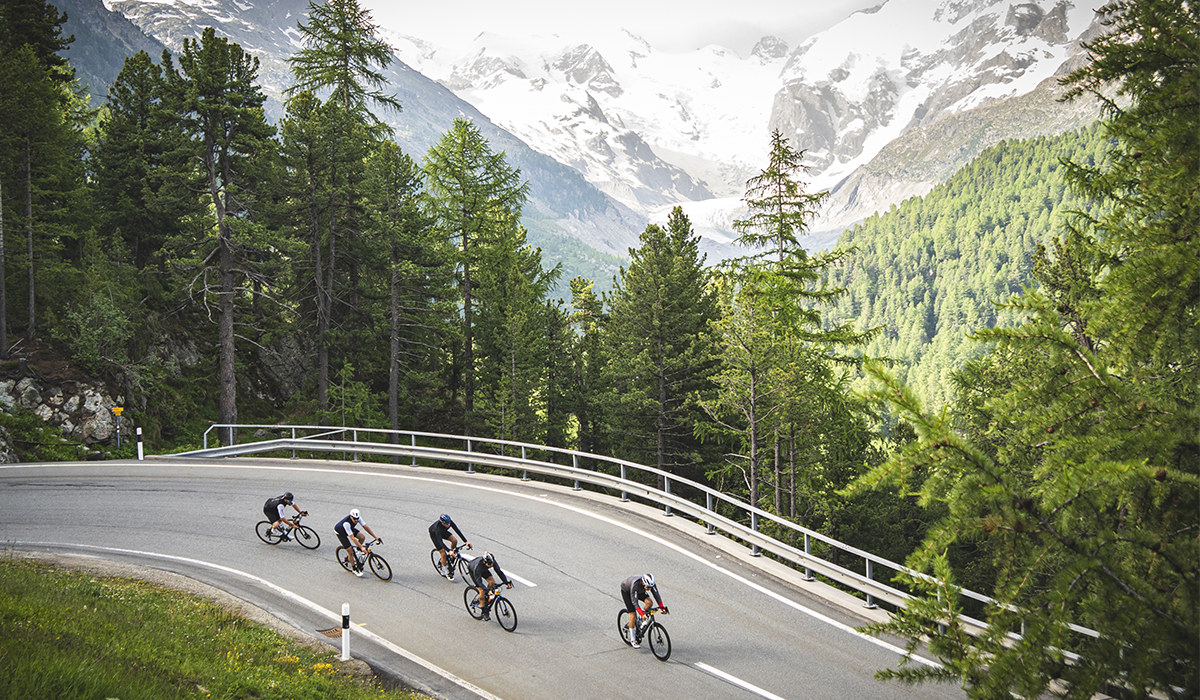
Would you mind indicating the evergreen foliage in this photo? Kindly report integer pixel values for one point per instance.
(1079, 466)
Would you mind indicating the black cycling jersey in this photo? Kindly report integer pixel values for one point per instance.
(439, 533)
(273, 508)
(480, 571)
(633, 590)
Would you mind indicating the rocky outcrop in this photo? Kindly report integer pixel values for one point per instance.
(83, 410)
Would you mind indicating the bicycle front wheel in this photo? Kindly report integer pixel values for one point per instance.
(471, 600)
(623, 626)
(307, 537)
(463, 570)
(267, 534)
(660, 641)
(380, 567)
(506, 614)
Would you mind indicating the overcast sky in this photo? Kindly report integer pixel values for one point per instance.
(666, 24)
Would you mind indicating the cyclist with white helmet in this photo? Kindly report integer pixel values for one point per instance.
(439, 532)
(349, 537)
(274, 509)
(481, 571)
(636, 590)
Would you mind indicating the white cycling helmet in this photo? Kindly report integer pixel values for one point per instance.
(354, 514)
(648, 580)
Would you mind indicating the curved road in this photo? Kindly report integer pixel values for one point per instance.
(737, 632)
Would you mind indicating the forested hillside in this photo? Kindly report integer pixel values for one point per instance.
(931, 272)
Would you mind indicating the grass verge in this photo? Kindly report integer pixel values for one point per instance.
(70, 635)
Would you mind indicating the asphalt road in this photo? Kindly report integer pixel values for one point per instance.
(737, 632)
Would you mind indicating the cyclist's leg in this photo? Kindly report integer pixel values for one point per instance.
(629, 607)
(440, 546)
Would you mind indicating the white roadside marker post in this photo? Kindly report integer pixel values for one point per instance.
(345, 631)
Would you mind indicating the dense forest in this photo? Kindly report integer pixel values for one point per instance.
(217, 267)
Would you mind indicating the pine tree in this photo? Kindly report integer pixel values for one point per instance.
(1085, 479)
(659, 350)
(476, 198)
(214, 99)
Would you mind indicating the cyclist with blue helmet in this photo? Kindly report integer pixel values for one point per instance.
(636, 590)
(439, 532)
(481, 569)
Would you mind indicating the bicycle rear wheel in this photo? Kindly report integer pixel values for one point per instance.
(267, 534)
(623, 626)
(380, 567)
(436, 558)
(344, 558)
(506, 614)
(307, 537)
(660, 641)
(471, 600)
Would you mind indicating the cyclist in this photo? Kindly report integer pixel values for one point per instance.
(274, 508)
(439, 532)
(636, 591)
(481, 568)
(349, 536)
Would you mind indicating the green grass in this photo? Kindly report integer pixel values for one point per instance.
(71, 635)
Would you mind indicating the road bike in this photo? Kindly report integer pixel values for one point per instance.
(649, 630)
(502, 608)
(454, 559)
(305, 535)
(377, 564)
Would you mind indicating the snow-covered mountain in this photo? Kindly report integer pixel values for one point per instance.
(886, 103)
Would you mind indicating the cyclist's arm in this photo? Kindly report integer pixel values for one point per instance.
(370, 531)
(657, 597)
(460, 535)
(503, 577)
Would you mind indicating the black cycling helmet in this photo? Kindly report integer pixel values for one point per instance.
(288, 497)
(444, 519)
(489, 559)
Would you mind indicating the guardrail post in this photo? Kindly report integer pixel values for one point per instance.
(414, 446)
(870, 575)
(667, 489)
(524, 472)
(470, 465)
(624, 496)
(575, 464)
(345, 631)
(293, 439)
(754, 550)
(712, 529)
(354, 437)
(807, 572)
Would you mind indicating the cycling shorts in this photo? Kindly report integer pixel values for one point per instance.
(438, 542)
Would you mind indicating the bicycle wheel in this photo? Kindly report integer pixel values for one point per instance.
(660, 641)
(506, 614)
(623, 626)
(307, 537)
(380, 567)
(436, 558)
(267, 534)
(343, 557)
(471, 600)
(463, 570)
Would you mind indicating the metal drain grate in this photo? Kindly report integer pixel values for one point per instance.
(332, 632)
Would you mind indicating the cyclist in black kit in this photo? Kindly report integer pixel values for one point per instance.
(351, 539)
(273, 509)
(439, 532)
(481, 568)
(636, 591)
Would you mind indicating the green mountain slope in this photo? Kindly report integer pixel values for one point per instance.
(931, 270)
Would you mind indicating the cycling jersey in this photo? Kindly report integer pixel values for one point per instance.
(479, 572)
(633, 590)
(439, 533)
(345, 528)
(273, 508)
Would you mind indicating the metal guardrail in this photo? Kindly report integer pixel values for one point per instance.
(357, 441)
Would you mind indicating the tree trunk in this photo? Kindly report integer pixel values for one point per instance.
(27, 173)
(468, 341)
(394, 350)
(3, 281)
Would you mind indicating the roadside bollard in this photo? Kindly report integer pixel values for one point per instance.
(345, 631)
(141, 453)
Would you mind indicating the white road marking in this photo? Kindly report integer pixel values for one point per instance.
(336, 617)
(595, 516)
(737, 681)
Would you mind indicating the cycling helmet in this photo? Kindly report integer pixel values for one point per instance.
(445, 519)
(288, 497)
(489, 559)
(648, 580)
(354, 514)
